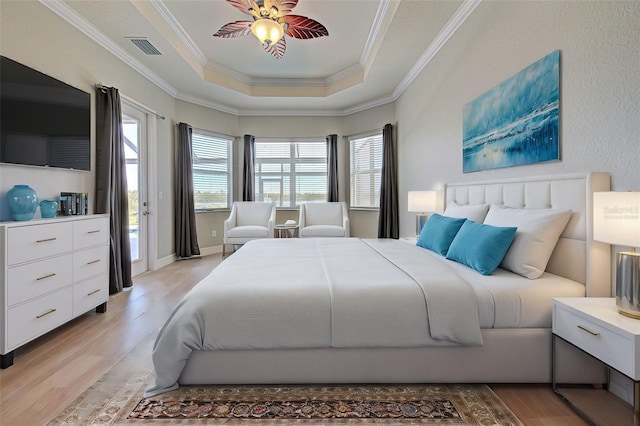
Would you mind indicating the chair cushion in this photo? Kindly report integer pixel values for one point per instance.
(253, 213)
(323, 214)
(248, 231)
(322, 231)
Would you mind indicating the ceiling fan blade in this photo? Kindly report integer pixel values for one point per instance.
(303, 28)
(245, 6)
(283, 6)
(234, 29)
(277, 50)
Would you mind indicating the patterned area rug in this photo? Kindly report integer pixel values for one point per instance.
(116, 399)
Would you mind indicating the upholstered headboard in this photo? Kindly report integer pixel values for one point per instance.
(576, 256)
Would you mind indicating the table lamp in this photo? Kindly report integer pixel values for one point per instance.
(616, 220)
(421, 203)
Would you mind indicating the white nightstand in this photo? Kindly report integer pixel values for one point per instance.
(594, 326)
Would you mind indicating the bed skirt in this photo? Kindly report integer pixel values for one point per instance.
(507, 356)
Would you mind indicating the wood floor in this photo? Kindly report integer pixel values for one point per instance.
(50, 372)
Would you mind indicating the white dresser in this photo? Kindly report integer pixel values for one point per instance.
(51, 270)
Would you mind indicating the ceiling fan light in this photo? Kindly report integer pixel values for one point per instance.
(267, 31)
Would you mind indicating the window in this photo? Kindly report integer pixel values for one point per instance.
(288, 173)
(365, 157)
(212, 167)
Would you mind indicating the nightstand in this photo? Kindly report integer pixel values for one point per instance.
(594, 326)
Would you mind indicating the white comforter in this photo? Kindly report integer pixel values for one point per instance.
(318, 293)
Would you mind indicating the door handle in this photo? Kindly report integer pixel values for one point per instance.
(146, 212)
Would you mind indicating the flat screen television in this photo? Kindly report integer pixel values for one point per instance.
(43, 121)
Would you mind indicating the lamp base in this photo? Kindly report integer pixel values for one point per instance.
(628, 284)
(634, 315)
(421, 219)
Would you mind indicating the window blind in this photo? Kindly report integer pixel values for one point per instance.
(289, 173)
(365, 170)
(212, 168)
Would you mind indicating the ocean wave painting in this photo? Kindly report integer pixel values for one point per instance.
(516, 122)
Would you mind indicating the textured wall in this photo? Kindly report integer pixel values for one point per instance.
(599, 45)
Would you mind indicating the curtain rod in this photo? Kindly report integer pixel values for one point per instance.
(103, 88)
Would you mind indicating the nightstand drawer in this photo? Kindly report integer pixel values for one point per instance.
(603, 343)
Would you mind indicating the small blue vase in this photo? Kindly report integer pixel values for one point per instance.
(23, 202)
(48, 208)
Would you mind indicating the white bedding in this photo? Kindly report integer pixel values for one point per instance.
(319, 293)
(508, 300)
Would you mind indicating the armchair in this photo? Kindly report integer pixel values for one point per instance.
(248, 221)
(327, 219)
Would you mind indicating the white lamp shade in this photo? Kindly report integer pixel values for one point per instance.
(422, 201)
(616, 218)
(267, 31)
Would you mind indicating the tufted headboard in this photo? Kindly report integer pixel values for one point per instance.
(576, 256)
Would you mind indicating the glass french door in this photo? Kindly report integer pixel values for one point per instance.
(134, 124)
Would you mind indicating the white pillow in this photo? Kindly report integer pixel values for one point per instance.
(474, 212)
(536, 237)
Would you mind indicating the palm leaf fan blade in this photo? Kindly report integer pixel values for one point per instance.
(301, 27)
(283, 6)
(277, 50)
(249, 7)
(234, 29)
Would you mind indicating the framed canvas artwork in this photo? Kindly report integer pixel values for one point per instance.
(516, 122)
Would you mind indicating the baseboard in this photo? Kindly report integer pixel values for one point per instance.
(206, 251)
(165, 261)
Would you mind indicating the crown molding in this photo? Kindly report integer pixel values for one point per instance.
(180, 32)
(384, 14)
(381, 22)
(71, 16)
(206, 103)
(449, 29)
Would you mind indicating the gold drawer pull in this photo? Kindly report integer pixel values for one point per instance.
(593, 333)
(93, 292)
(93, 232)
(46, 239)
(93, 261)
(44, 314)
(46, 276)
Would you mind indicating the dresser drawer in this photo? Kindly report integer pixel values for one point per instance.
(38, 241)
(30, 320)
(31, 280)
(90, 293)
(90, 232)
(605, 344)
(90, 262)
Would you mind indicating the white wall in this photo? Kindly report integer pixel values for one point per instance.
(33, 35)
(599, 45)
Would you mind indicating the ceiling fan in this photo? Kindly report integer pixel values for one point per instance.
(271, 22)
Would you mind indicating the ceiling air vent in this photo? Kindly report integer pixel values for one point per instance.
(144, 45)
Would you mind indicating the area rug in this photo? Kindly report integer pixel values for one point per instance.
(116, 399)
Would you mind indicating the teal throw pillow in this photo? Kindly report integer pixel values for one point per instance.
(438, 232)
(481, 247)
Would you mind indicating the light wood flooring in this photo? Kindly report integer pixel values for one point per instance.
(50, 372)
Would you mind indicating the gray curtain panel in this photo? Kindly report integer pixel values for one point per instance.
(185, 227)
(388, 221)
(332, 168)
(111, 184)
(248, 173)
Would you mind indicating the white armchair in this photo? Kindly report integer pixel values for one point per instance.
(248, 221)
(329, 219)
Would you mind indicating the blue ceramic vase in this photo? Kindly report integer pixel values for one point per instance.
(48, 208)
(23, 202)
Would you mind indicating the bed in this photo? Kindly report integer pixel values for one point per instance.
(386, 311)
